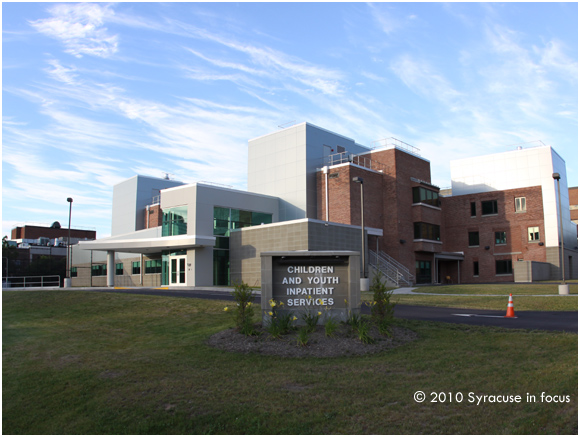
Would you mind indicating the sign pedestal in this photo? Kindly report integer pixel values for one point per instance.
(308, 282)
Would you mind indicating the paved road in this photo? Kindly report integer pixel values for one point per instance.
(541, 320)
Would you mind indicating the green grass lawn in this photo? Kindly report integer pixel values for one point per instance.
(78, 362)
(492, 297)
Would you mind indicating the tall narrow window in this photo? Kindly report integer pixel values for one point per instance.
(473, 209)
(119, 269)
(474, 239)
(520, 204)
(136, 268)
(501, 237)
(475, 268)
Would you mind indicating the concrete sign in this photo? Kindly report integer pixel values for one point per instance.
(311, 282)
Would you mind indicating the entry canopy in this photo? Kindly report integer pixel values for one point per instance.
(147, 241)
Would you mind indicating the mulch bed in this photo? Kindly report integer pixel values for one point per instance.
(343, 343)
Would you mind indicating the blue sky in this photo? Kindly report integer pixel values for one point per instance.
(94, 93)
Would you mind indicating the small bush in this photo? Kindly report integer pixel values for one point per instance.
(382, 309)
(243, 310)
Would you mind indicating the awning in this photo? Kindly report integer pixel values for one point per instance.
(147, 241)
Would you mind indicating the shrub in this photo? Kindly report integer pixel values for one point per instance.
(382, 309)
(243, 311)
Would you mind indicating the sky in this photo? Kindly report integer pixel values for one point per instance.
(95, 93)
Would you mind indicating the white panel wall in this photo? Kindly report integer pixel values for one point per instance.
(284, 163)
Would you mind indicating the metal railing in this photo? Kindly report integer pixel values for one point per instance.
(362, 161)
(31, 281)
(387, 142)
(393, 270)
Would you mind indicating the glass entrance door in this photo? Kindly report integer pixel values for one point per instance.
(177, 270)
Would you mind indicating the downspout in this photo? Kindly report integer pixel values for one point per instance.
(325, 171)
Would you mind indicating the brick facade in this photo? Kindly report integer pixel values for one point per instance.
(389, 206)
(388, 198)
(153, 216)
(573, 196)
(34, 232)
(458, 222)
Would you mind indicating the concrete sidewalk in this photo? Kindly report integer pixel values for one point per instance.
(410, 290)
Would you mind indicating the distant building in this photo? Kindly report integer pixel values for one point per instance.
(498, 222)
(41, 250)
(573, 195)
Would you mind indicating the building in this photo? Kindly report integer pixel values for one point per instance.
(573, 196)
(40, 250)
(305, 187)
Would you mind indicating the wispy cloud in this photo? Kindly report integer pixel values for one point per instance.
(79, 26)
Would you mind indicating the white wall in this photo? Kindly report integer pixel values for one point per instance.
(284, 163)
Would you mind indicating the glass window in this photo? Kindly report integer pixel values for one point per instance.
(488, 207)
(136, 267)
(473, 209)
(520, 204)
(474, 238)
(227, 219)
(534, 233)
(423, 272)
(73, 272)
(174, 221)
(503, 267)
(475, 268)
(99, 270)
(221, 221)
(119, 269)
(427, 231)
(152, 266)
(423, 195)
(501, 237)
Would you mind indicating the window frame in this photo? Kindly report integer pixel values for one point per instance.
(469, 235)
(422, 231)
(117, 269)
(499, 241)
(494, 207)
(529, 234)
(518, 204)
(509, 268)
(136, 268)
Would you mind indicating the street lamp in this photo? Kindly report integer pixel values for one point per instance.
(68, 248)
(562, 288)
(364, 282)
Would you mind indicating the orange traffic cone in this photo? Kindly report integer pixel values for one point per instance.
(510, 308)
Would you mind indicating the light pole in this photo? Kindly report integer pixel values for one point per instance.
(68, 248)
(363, 281)
(562, 288)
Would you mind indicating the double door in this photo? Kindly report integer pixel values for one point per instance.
(177, 270)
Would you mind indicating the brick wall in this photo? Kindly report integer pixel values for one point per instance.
(34, 232)
(458, 222)
(388, 202)
(153, 216)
